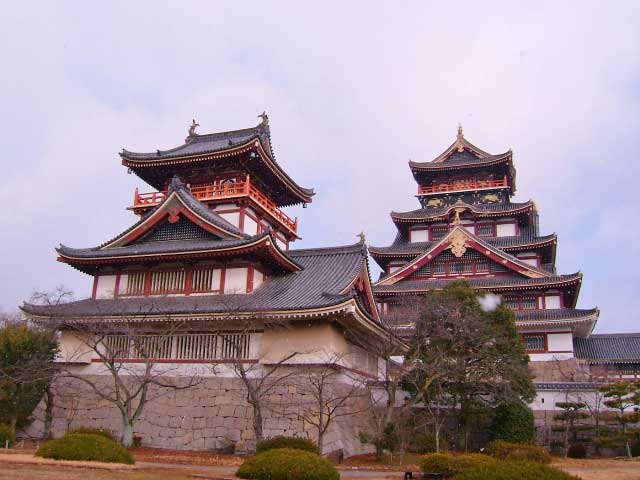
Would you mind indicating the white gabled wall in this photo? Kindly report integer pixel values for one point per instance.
(106, 286)
(235, 280)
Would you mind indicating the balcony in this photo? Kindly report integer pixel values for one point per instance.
(462, 185)
(231, 190)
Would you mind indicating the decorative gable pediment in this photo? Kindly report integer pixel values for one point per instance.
(457, 243)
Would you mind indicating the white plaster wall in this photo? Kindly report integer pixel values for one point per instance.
(235, 280)
(313, 343)
(232, 217)
(73, 349)
(530, 261)
(250, 225)
(215, 279)
(560, 342)
(549, 357)
(226, 206)
(106, 286)
(394, 268)
(552, 301)
(258, 278)
(419, 235)
(506, 229)
(124, 281)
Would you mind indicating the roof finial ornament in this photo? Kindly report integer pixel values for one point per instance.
(265, 118)
(192, 129)
(362, 237)
(460, 138)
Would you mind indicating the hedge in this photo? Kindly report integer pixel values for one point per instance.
(93, 431)
(511, 470)
(288, 464)
(518, 451)
(452, 464)
(286, 442)
(426, 443)
(513, 422)
(6, 433)
(85, 446)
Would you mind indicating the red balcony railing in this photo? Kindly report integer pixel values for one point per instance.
(222, 191)
(462, 185)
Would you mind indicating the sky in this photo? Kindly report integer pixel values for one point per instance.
(353, 91)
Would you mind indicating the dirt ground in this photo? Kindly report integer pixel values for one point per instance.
(172, 465)
(601, 469)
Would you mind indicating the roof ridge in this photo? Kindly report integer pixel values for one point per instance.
(352, 248)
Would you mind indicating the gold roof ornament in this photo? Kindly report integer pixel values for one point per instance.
(460, 138)
(264, 117)
(458, 243)
(192, 129)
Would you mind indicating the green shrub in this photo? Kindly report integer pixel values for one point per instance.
(288, 464)
(426, 443)
(452, 464)
(518, 451)
(577, 450)
(93, 431)
(514, 471)
(513, 423)
(286, 442)
(85, 446)
(6, 433)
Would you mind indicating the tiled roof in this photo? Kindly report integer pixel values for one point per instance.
(609, 348)
(554, 314)
(461, 160)
(402, 247)
(564, 386)
(482, 209)
(496, 283)
(325, 274)
(209, 144)
(201, 144)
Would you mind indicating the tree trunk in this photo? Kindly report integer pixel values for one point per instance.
(48, 413)
(257, 421)
(320, 440)
(437, 435)
(127, 432)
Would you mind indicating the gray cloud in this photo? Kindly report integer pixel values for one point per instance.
(353, 91)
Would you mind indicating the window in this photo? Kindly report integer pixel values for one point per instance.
(198, 346)
(205, 280)
(535, 343)
(483, 266)
(440, 268)
(438, 233)
(529, 303)
(135, 284)
(512, 303)
(167, 282)
(484, 230)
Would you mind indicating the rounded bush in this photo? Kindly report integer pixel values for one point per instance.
(6, 433)
(286, 442)
(452, 464)
(85, 446)
(93, 431)
(577, 450)
(509, 470)
(518, 451)
(513, 422)
(288, 464)
(426, 443)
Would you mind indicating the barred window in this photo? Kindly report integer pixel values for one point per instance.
(534, 343)
(167, 282)
(205, 280)
(483, 266)
(511, 302)
(438, 233)
(440, 268)
(135, 284)
(529, 303)
(484, 229)
(199, 346)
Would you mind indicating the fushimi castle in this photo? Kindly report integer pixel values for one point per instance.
(213, 229)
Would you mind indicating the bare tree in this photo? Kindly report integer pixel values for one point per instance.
(127, 351)
(330, 392)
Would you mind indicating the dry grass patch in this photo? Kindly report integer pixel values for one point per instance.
(599, 469)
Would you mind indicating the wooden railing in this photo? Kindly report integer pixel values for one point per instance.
(462, 185)
(222, 191)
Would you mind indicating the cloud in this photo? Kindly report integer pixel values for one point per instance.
(489, 302)
(353, 91)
